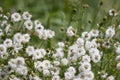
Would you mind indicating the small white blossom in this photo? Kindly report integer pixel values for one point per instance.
(110, 32)
(118, 66)
(56, 63)
(61, 44)
(80, 41)
(86, 58)
(71, 70)
(94, 33)
(118, 50)
(18, 37)
(89, 75)
(46, 72)
(3, 49)
(68, 75)
(8, 43)
(22, 70)
(15, 78)
(15, 17)
(26, 38)
(1, 32)
(26, 16)
(28, 24)
(56, 78)
(110, 78)
(112, 12)
(117, 58)
(85, 66)
(30, 50)
(86, 35)
(19, 61)
(64, 61)
(70, 31)
(12, 63)
(96, 58)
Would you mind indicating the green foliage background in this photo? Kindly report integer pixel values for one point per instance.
(54, 14)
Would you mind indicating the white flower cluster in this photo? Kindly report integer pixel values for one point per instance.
(23, 60)
(16, 31)
(118, 57)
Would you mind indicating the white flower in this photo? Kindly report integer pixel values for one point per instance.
(4, 55)
(46, 64)
(61, 44)
(50, 33)
(110, 32)
(30, 50)
(36, 64)
(7, 29)
(3, 49)
(8, 69)
(15, 78)
(89, 75)
(64, 61)
(46, 72)
(43, 34)
(59, 53)
(28, 24)
(68, 75)
(26, 38)
(4, 23)
(36, 78)
(70, 31)
(118, 66)
(12, 63)
(37, 54)
(95, 58)
(117, 58)
(56, 63)
(94, 33)
(18, 37)
(77, 79)
(118, 50)
(86, 58)
(37, 23)
(17, 46)
(8, 43)
(86, 35)
(55, 71)
(6, 17)
(26, 16)
(85, 66)
(1, 32)
(93, 51)
(3, 75)
(71, 70)
(15, 17)
(22, 70)
(42, 67)
(19, 61)
(56, 78)
(112, 12)
(74, 49)
(80, 41)
(81, 51)
(110, 78)
(90, 44)
(38, 27)
(104, 74)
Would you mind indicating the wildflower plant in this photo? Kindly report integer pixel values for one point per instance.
(83, 53)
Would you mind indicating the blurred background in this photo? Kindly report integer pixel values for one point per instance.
(60, 14)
